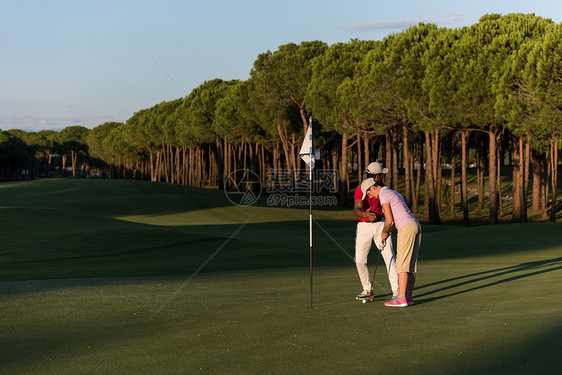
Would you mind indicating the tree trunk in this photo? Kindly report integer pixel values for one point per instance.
(50, 165)
(437, 167)
(275, 171)
(359, 158)
(492, 176)
(197, 166)
(453, 211)
(174, 157)
(516, 184)
(234, 158)
(85, 169)
(262, 164)
(522, 178)
(177, 165)
(184, 166)
(376, 149)
(164, 160)
(480, 172)
(303, 115)
(526, 180)
(285, 144)
(536, 205)
(227, 163)
(192, 166)
(343, 170)
(219, 159)
(157, 165)
(464, 184)
(170, 158)
(249, 156)
(394, 169)
(295, 159)
(553, 176)
(201, 166)
(388, 158)
(430, 181)
(152, 172)
(548, 169)
(73, 158)
(63, 165)
(407, 162)
(367, 156)
(499, 179)
(411, 168)
(241, 156)
(416, 190)
(171, 163)
(212, 165)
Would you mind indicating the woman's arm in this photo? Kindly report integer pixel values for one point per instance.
(388, 222)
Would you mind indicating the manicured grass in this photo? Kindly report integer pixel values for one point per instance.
(107, 277)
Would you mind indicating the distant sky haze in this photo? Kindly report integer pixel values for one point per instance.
(79, 62)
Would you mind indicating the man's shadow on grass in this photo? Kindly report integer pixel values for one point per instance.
(509, 274)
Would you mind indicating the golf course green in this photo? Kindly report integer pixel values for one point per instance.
(133, 277)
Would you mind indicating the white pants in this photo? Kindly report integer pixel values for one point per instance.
(365, 235)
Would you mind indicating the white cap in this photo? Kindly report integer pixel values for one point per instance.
(376, 168)
(365, 185)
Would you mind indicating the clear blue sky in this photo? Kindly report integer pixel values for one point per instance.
(84, 63)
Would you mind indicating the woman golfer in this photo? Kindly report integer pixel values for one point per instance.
(398, 215)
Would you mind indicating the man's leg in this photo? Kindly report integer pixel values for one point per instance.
(363, 240)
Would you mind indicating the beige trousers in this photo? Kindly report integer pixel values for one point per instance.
(408, 244)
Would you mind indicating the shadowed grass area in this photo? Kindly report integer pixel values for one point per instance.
(259, 322)
(102, 277)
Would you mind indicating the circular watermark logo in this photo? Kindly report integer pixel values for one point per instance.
(242, 187)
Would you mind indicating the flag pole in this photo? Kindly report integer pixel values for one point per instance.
(310, 225)
(307, 154)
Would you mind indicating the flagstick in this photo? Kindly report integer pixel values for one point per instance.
(310, 231)
(307, 154)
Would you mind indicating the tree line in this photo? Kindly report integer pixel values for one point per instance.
(414, 101)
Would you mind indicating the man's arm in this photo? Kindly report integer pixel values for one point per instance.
(358, 209)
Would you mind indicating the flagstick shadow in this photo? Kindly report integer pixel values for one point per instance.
(335, 303)
(381, 298)
(532, 269)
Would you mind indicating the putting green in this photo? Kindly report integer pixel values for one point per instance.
(100, 277)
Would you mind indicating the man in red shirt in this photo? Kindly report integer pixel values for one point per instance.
(369, 228)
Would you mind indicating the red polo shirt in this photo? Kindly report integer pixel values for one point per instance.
(374, 203)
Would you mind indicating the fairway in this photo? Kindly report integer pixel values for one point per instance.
(116, 277)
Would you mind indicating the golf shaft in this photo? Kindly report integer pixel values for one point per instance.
(376, 266)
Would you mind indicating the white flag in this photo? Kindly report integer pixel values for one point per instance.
(307, 149)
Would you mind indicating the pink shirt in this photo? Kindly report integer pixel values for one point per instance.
(400, 211)
(368, 202)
